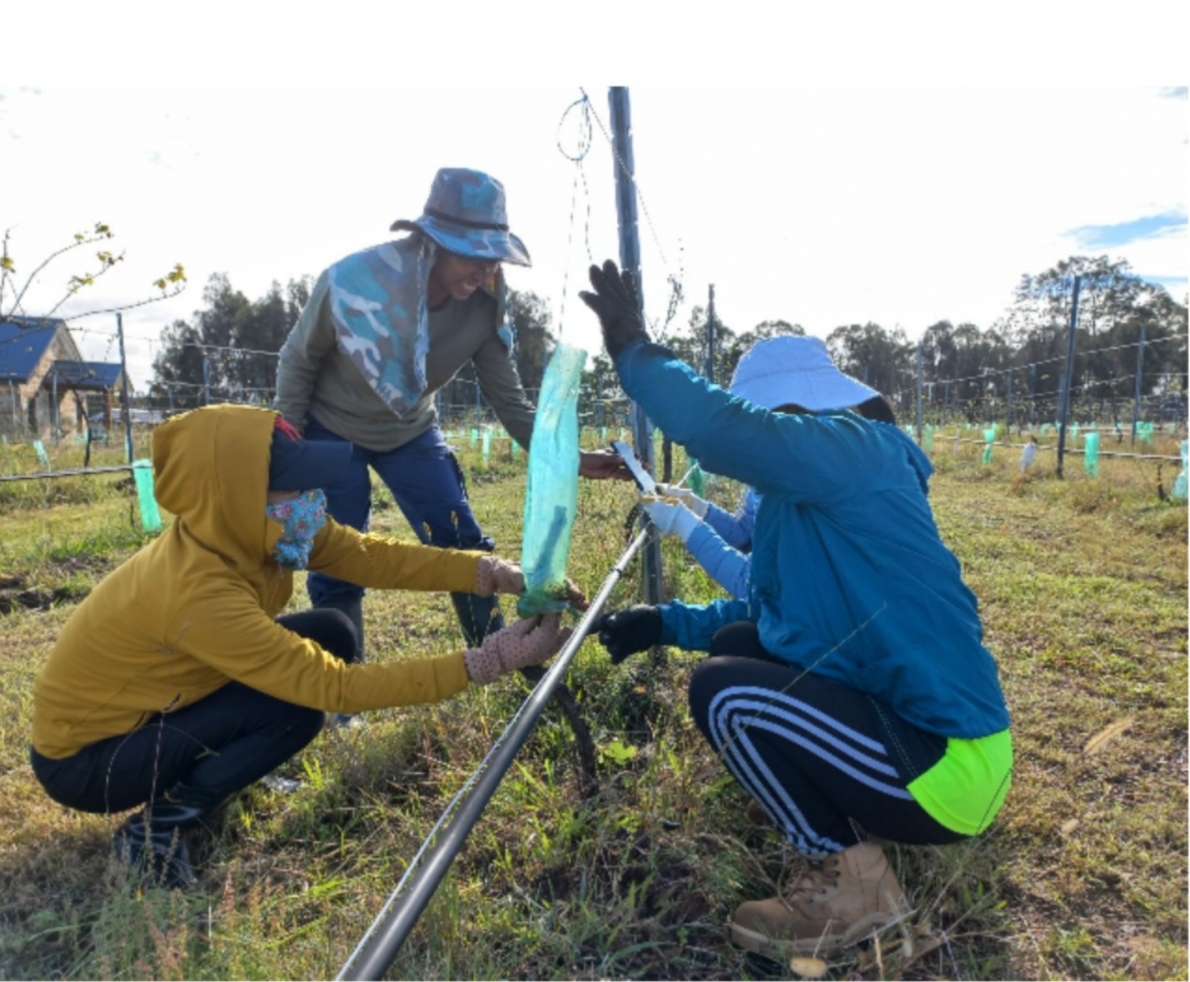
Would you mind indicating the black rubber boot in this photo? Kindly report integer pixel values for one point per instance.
(151, 843)
(354, 609)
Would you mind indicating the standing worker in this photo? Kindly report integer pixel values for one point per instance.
(383, 330)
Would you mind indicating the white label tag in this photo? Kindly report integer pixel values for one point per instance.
(644, 480)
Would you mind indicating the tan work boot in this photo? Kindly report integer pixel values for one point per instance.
(840, 899)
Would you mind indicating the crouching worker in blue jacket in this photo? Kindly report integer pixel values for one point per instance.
(850, 693)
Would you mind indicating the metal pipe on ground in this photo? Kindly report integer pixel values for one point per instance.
(383, 939)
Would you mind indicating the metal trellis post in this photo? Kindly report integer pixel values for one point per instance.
(642, 429)
(1068, 375)
(1140, 364)
(920, 428)
(1032, 390)
(124, 389)
(1008, 410)
(710, 372)
(55, 415)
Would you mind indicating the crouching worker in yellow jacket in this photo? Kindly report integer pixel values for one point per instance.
(175, 683)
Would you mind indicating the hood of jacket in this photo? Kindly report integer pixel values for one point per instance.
(211, 470)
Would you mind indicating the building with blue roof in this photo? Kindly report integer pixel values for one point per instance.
(44, 381)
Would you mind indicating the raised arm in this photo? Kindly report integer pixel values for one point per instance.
(725, 434)
(724, 564)
(730, 436)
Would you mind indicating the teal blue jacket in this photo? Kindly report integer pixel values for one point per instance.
(849, 577)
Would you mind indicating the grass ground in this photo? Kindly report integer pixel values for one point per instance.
(1082, 585)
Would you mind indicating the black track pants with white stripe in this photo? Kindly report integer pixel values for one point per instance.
(819, 756)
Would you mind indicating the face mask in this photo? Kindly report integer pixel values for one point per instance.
(300, 518)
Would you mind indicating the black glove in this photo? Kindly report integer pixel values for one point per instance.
(617, 304)
(625, 632)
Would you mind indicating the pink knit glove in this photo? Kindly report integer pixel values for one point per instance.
(495, 575)
(527, 642)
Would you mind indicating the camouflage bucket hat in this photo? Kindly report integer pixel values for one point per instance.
(465, 214)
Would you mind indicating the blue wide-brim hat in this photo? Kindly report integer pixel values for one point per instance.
(465, 214)
(795, 370)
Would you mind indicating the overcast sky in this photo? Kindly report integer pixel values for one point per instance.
(829, 198)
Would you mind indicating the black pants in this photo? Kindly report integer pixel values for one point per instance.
(817, 755)
(203, 753)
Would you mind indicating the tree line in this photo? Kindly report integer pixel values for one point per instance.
(226, 351)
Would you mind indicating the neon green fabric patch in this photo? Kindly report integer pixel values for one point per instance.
(966, 788)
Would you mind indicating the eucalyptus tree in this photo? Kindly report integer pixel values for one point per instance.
(227, 352)
(881, 358)
(533, 331)
(1114, 306)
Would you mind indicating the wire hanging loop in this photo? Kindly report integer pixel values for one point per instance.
(584, 129)
(584, 140)
(676, 292)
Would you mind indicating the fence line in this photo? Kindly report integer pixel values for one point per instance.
(74, 473)
(1048, 446)
(992, 373)
(936, 435)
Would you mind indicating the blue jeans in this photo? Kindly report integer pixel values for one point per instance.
(427, 484)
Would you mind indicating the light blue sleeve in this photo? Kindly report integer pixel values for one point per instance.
(727, 526)
(728, 567)
(735, 530)
(691, 627)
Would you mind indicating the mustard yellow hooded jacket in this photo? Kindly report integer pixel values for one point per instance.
(195, 609)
